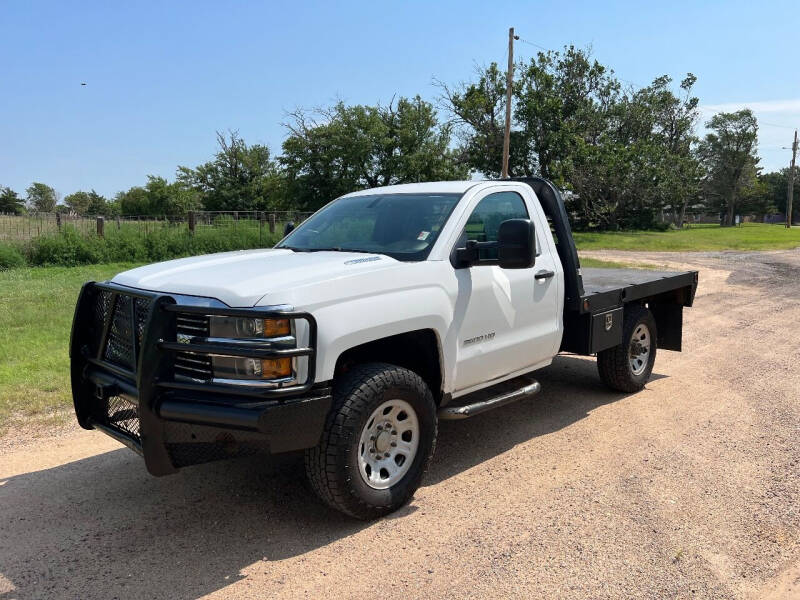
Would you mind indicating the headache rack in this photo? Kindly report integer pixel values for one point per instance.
(132, 351)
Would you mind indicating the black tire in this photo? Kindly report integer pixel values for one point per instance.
(332, 466)
(614, 364)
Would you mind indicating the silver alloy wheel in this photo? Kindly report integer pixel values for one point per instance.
(388, 444)
(639, 353)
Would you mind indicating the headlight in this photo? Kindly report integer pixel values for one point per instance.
(230, 367)
(236, 327)
(277, 331)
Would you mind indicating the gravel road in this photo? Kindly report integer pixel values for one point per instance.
(688, 489)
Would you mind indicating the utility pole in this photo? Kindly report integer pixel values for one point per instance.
(791, 183)
(509, 80)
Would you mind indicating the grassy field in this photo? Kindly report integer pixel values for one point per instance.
(750, 236)
(36, 307)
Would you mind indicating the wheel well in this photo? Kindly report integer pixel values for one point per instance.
(417, 351)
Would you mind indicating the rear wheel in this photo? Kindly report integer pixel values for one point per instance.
(378, 441)
(627, 367)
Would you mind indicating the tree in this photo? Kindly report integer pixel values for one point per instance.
(166, 198)
(627, 155)
(330, 152)
(41, 197)
(78, 202)
(643, 163)
(10, 202)
(133, 202)
(240, 177)
(98, 205)
(478, 110)
(728, 153)
(775, 186)
(561, 99)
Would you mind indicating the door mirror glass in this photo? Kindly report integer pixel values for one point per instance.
(516, 244)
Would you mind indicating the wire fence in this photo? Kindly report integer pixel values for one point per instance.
(22, 228)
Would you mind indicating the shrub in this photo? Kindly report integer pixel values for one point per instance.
(10, 257)
(131, 244)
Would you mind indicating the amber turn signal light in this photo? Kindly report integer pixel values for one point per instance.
(276, 327)
(273, 368)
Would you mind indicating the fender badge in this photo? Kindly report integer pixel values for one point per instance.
(609, 321)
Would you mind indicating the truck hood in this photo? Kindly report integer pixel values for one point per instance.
(242, 278)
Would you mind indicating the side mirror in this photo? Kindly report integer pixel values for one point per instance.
(516, 244)
(288, 228)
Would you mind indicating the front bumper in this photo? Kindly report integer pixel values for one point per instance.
(124, 382)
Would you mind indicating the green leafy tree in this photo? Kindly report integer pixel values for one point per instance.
(78, 202)
(133, 202)
(643, 164)
(164, 198)
(775, 187)
(10, 202)
(728, 153)
(333, 151)
(561, 99)
(41, 197)
(98, 205)
(626, 155)
(240, 177)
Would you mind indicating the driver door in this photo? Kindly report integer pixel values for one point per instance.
(510, 320)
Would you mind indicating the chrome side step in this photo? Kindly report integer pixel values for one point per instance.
(463, 411)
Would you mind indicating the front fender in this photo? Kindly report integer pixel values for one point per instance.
(357, 321)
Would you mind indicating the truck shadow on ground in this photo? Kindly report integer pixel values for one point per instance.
(102, 527)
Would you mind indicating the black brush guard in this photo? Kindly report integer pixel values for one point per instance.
(122, 353)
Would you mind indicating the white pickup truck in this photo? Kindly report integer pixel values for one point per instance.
(385, 311)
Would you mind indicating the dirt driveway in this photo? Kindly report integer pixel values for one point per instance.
(689, 489)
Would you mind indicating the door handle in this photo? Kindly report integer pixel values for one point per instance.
(544, 275)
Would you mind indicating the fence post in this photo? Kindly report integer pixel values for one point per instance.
(261, 218)
(58, 220)
(100, 226)
(119, 223)
(191, 222)
(272, 222)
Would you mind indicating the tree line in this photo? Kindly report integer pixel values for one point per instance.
(627, 157)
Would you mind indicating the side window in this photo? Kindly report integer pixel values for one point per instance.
(484, 222)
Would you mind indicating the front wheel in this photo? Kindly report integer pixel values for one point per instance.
(378, 441)
(627, 367)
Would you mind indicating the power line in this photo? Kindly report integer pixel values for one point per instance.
(775, 125)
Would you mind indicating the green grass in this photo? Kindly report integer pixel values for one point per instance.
(36, 308)
(750, 236)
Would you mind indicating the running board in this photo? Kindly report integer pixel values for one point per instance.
(452, 413)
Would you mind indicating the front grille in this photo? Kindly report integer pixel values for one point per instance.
(188, 364)
(123, 415)
(126, 316)
(128, 319)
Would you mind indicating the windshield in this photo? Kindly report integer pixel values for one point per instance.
(403, 226)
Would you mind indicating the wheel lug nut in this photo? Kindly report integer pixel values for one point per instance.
(394, 444)
(386, 455)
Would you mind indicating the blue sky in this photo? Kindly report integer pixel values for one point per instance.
(163, 76)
